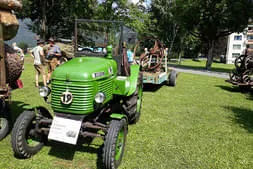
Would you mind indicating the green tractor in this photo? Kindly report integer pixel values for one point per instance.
(92, 95)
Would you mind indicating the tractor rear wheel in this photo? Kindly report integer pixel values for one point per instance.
(114, 144)
(25, 141)
(132, 104)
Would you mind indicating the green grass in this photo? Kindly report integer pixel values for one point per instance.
(201, 123)
(200, 64)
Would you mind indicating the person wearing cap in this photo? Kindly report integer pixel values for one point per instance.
(38, 54)
(53, 53)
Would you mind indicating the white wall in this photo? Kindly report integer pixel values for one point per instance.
(233, 46)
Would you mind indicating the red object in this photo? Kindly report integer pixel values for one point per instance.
(19, 83)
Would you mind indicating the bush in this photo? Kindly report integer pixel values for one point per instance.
(23, 46)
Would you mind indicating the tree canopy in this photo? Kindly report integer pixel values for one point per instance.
(55, 18)
(180, 24)
(209, 20)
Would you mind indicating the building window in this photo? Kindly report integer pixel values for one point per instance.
(251, 46)
(234, 55)
(237, 47)
(250, 37)
(238, 37)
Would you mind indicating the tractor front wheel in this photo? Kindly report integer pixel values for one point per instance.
(114, 144)
(24, 139)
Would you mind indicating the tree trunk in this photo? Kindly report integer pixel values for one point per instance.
(175, 30)
(44, 19)
(209, 60)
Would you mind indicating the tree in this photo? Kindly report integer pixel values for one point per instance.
(55, 18)
(209, 20)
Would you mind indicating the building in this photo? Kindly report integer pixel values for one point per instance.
(235, 46)
(249, 41)
(237, 43)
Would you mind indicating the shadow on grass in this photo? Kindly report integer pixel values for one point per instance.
(250, 95)
(236, 89)
(15, 109)
(67, 151)
(151, 87)
(243, 116)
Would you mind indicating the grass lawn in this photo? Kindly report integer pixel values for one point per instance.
(201, 123)
(200, 64)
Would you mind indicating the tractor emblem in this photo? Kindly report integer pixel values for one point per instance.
(66, 98)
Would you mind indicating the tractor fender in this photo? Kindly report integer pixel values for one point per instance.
(126, 85)
(135, 69)
(118, 116)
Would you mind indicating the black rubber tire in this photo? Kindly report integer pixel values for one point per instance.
(172, 78)
(133, 103)
(4, 123)
(20, 134)
(110, 145)
(4, 127)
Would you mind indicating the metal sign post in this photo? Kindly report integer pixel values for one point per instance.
(2, 61)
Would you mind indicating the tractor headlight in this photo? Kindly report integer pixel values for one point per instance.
(100, 97)
(44, 91)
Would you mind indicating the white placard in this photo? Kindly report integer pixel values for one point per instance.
(65, 130)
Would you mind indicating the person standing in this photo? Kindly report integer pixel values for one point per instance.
(18, 50)
(38, 54)
(130, 56)
(53, 54)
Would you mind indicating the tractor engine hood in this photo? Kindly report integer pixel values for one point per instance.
(85, 69)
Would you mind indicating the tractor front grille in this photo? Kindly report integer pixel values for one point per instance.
(83, 97)
(105, 86)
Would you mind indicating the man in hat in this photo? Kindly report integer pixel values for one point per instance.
(53, 54)
(38, 54)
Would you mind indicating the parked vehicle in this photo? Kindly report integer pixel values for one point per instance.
(91, 96)
(153, 62)
(242, 74)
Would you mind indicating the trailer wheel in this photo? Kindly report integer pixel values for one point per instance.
(172, 78)
(132, 104)
(4, 124)
(114, 144)
(25, 142)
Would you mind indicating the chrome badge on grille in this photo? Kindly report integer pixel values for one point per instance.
(66, 97)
